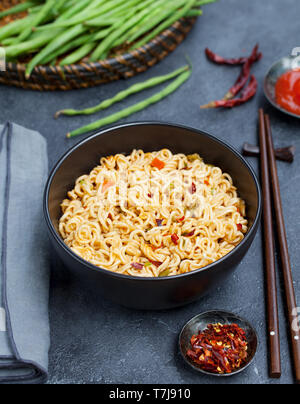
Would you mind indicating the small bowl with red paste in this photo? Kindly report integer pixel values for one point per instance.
(282, 85)
(218, 343)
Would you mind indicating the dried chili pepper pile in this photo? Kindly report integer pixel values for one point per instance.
(245, 81)
(219, 348)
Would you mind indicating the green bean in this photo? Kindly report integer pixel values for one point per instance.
(134, 108)
(194, 13)
(39, 17)
(13, 28)
(57, 42)
(70, 12)
(17, 9)
(153, 22)
(134, 17)
(68, 46)
(94, 22)
(166, 24)
(136, 88)
(87, 14)
(28, 46)
(78, 54)
(125, 38)
(203, 2)
(83, 39)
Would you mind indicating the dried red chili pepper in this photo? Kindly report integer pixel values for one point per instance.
(229, 61)
(220, 60)
(248, 93)
(244, 75)
(219, 348)
(240, 82)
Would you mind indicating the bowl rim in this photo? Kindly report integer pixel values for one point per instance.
(209, 267)
(228, 313)
(267, 94)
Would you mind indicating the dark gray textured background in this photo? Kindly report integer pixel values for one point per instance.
(94, 340)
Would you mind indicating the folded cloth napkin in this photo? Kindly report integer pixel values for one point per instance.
(24, 269)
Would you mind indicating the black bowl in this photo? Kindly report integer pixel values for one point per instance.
(150, 293)
(201, 321)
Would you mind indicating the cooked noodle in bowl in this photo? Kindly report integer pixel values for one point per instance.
(153, 214)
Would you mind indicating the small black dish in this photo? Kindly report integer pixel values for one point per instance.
(201, 321)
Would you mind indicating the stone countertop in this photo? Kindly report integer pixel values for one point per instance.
(96, 341)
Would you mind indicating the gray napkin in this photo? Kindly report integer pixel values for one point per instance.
(24, 269)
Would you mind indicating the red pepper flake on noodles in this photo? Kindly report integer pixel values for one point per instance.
(136, 265)
(239, 227)
(175, 238)
(158, 164)
(219, 348)
(156, 263)
(189, 234)
(193, 188)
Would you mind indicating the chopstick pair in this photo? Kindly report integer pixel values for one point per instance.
(271, 191)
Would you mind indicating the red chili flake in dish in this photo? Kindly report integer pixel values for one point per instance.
(193, 188)
(136, 265)
(156, 263)
(206, 182)
(219, 348)
(189, 234)
(150, 195)
(239, 227)
(181, 219)
(110, 216)
(158, 164)
(175, 238)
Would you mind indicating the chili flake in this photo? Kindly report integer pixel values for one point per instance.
(136, 265)
(239, 227)
(219, 348)
(193, 188)
(175, 238)
(158, 164)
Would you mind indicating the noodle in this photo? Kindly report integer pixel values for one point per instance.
(153, 214)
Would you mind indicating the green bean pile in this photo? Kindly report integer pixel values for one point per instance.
(66, 31)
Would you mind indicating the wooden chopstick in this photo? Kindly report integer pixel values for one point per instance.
(272, 303)
(284, 253)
